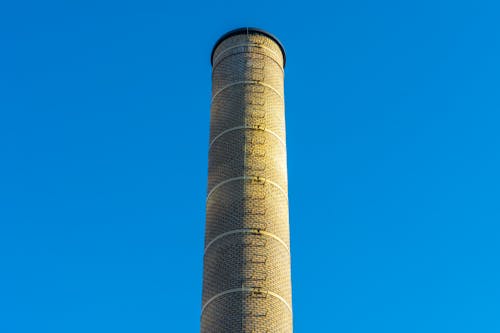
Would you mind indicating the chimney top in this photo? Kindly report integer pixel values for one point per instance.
(246, 31)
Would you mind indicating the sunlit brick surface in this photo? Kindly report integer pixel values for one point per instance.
(246, 282)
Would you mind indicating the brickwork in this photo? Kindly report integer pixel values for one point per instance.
(246, 282)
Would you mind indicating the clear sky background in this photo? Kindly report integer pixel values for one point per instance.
(393, 150)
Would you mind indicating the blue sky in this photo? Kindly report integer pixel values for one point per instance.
(393, 151)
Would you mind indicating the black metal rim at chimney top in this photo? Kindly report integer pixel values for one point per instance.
(244, 31)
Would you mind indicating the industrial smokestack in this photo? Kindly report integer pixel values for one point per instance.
(246, 280)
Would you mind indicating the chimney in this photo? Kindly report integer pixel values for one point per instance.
(246, 278)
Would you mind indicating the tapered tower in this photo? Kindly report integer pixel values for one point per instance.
(246, 281)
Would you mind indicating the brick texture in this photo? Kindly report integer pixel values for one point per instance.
(246, 278)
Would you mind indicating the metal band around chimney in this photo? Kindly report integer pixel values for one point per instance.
(246, 178)
(247, 231)
(256, 128)
(247, 82)
(251, 290)
(216, 61)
